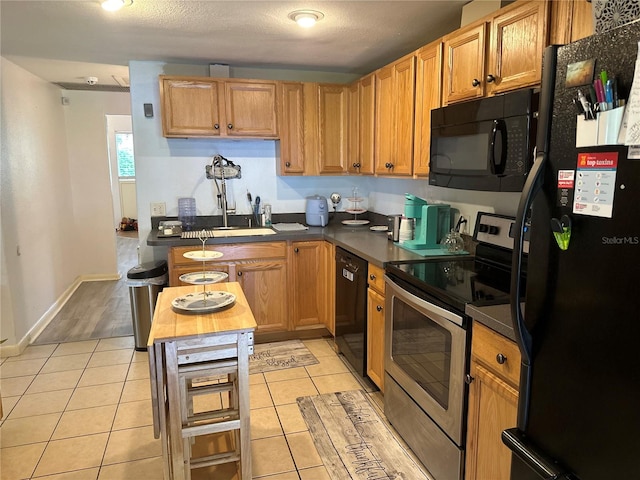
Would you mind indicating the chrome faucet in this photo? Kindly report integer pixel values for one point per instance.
(223, 199)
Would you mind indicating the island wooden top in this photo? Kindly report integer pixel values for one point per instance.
(169, 325)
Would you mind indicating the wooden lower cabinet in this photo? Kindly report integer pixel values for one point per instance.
(261, 270)
(375, 326)
(493, 404)
(308, 284)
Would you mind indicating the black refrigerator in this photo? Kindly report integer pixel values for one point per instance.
(579, 333)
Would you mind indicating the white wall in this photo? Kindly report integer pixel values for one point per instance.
(56, 220)
(39, 258)
(86, 132)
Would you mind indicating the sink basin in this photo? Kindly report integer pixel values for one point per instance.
(242, 232)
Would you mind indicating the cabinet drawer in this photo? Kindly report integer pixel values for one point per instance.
(487, 345)
(376, 278)
(234, 252)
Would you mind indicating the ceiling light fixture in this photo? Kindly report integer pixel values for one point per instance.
(306, 18)
(114, 5)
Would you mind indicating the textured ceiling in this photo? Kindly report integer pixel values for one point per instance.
(68, 40)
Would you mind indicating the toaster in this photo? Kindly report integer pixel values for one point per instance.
(317, 211)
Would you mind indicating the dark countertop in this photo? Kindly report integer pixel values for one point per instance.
(374, 247)
(496, 317)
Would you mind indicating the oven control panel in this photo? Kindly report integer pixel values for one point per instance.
(494, 229)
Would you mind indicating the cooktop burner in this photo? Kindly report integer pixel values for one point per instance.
(456, 282)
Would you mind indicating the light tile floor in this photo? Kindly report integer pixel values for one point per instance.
(82, 411)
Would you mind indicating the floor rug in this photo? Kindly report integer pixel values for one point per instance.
(353, 441)
(280, 355)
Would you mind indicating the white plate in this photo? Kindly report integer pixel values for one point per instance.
(203, 278)
(355, 222)
(202, 255)
(379, 228)
(355, 211)
(203, 302)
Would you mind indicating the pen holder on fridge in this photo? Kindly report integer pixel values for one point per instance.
(604, 130)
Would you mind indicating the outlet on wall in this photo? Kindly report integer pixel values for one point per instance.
(158, 209)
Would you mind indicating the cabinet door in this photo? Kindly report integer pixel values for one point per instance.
(366, 124)
(571, 20)
(384, 123)
(493, 406)
(251, 109)
(517, 41)
(353, 108)
(264, 284)
(463, 72)
(330, 286)
(404, 99)
(308, 267)
(375, 338)
(190, 107)
(428, 95)
(291, 108)
(332, 128)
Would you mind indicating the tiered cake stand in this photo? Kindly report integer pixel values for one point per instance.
(204, 301)
(355, 210)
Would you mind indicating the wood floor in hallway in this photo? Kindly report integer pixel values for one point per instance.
(97, 309)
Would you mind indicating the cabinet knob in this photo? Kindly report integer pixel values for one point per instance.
(287, 164)
(216, 126)
(296, 249)
(229, 126)
(239, 274)
(475, 82)
(372, 277)
(468, 379)
(490, 78)
(500, 358)
(379, 308)
(388, 165)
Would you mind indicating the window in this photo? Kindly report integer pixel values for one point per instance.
(124, 154)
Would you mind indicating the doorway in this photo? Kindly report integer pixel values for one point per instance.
(122, 169)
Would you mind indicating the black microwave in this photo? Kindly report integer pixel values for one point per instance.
(484, 144)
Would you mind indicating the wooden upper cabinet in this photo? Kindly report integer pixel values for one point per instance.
(292, 144)
(517, 40)
(571, 20)
(204, 107)
(190, 107)
(464, 64)
(332, 128)
(394, 117)
(353, 109)
(428, 95)
(366, 124)
(361, 105)
(250, 108)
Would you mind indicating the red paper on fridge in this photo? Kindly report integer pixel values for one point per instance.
(595, 183)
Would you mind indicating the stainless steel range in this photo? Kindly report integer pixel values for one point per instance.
(428, 339)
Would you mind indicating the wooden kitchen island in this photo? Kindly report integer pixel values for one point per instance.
(199, 366)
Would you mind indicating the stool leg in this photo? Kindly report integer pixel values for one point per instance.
(243, 400)
(179, 463)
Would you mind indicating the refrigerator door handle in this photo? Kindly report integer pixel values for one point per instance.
(531, 456)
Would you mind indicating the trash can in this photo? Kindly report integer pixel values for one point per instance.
(145, 281)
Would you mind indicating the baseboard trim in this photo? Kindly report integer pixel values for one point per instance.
(17, 348)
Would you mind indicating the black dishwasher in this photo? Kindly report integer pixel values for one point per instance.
(351, 308)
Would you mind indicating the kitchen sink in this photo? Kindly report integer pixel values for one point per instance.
(242, 232)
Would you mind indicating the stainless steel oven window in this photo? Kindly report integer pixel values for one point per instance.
(422, 349)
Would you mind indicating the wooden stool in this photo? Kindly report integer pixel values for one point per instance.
(217, 365)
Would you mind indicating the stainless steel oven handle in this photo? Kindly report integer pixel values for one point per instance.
(437, 314)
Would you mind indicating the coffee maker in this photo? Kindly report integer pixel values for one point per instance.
(432, 223)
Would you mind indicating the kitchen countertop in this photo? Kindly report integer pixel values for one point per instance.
(496, 317)
(374, 247)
